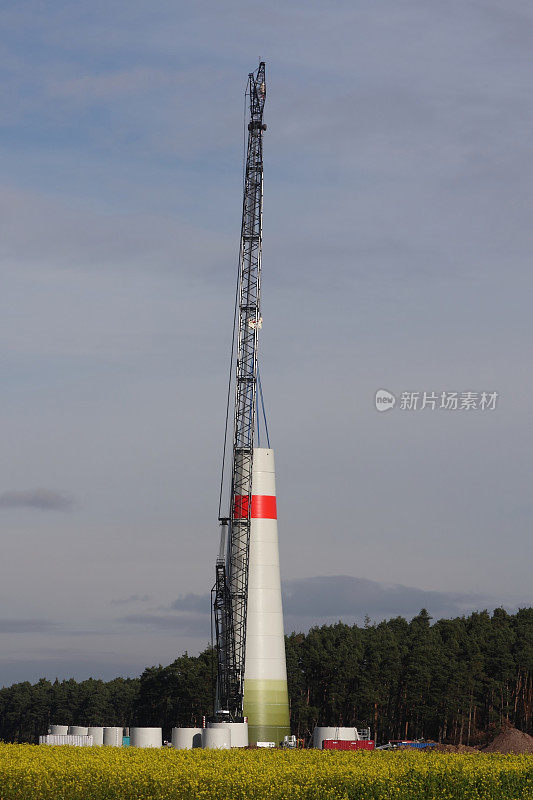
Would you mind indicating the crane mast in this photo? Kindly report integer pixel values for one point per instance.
(231, 586)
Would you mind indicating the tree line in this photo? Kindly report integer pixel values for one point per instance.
(451, 681)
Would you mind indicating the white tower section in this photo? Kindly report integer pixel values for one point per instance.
(266, 702)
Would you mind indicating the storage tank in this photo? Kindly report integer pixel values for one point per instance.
(71, 739)
(340, 734)
(113, 737)
(238, 730)
(59, 730)
(217, 738)
(186, 738)
(78, 730)
(97, 733)
(146, 737)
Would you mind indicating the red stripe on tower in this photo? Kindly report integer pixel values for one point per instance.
(263, 506)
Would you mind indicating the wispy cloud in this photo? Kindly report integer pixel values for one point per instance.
(41, 499)
(112, 84)
(196, 625)
(26, 626)
(133, 598)
(57, 628)
(188, 615)
(192, 602)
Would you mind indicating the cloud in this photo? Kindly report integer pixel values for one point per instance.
(344, 596)
(65, 665)
(192, 602)
(323, 599)
(42, 499)
(57, 628)
(196, 625)
(133, 598)
(26, 626)
(113, 84)
(393, 196)
(47, 235)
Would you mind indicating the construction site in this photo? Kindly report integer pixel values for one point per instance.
(265, 492)
(250, 706)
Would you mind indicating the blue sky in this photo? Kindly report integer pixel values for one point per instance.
(397, 252)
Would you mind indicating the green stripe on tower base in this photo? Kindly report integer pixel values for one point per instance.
(266, 704)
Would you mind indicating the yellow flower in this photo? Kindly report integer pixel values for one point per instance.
(30, 772)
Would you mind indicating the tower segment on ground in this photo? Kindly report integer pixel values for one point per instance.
(231, 586)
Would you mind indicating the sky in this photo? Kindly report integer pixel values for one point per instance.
(396, 255)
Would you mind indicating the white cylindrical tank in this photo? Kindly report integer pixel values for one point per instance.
(322, 732)
(113, 737)
(78, 730)
(67, 738)
(146, 737)
(186, 738)
(97, 733)
(59, 730)
(238, 731)
(266, 701)
(216, 738)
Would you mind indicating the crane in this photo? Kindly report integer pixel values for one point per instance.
(230, 592)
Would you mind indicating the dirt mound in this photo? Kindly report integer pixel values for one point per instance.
(510, 740)
(455, 748)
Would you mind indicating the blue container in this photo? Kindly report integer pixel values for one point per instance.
(419, 745)
(125, 741)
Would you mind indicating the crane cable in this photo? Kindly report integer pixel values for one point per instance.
(234, 322)
(264, 412)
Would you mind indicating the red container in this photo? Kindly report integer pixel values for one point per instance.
(348, 744)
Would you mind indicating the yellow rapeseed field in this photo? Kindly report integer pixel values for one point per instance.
(29, 772)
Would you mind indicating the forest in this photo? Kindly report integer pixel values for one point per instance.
(453, 680)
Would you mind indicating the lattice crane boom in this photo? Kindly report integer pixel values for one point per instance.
(231, 587)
